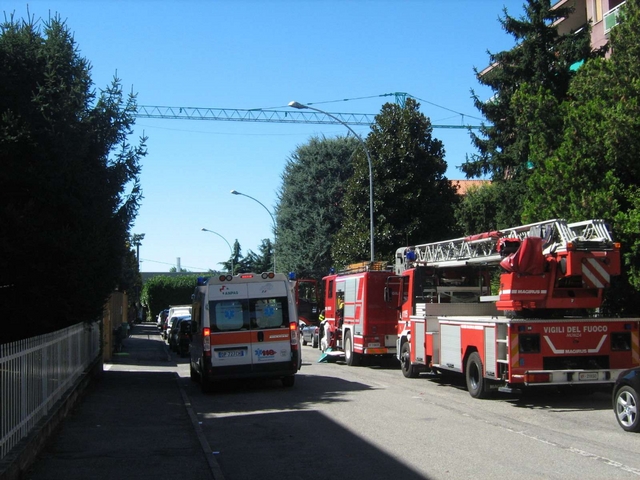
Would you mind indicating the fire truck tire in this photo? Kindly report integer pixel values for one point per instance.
(626, 405)
(476, 383)
(408, 370)
(352, 358)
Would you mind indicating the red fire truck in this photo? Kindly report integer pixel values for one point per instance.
(358, 322)
(543, 326)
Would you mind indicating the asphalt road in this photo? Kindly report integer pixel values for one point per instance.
(371, 422)
(337, 421)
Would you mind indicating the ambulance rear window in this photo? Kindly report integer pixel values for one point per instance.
(229, 315)
(269, 313)
(257, 313)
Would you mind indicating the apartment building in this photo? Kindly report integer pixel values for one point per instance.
(603, 15)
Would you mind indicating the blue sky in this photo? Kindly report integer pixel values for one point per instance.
(263, 54)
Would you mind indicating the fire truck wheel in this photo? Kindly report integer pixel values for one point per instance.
(352, 358)
(626, 405)
(476, 383)
(408, 370)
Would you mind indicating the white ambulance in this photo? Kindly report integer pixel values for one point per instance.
(244, 326)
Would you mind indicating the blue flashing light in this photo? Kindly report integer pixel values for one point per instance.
(292, 276)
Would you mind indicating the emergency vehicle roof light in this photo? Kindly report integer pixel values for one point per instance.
(266, 275)
(247, 275)
(222, 278)
(292, 275)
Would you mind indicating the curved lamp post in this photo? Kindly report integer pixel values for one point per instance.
(301, 106)
(230, 249)
(235, 192)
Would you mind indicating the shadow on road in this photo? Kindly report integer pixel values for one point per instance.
(276, 445)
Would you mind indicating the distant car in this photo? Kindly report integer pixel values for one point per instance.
(173, 312)
(173, 330)
(310, 335)
(626, 399)
(184, 337)
(162, 316)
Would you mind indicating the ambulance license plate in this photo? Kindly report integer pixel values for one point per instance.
(231, 353)
(586, 376)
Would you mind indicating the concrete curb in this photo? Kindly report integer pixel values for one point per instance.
(27, 450)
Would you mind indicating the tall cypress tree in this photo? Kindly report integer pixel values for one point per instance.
(310, 204)
(69, 187)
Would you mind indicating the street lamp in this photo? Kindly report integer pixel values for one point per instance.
(230, 249)
(235, 192)
(301, 106)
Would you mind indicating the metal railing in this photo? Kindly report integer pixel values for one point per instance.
(36, 372)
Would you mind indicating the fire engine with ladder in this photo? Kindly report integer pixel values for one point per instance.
(358, 322)
(543, 327)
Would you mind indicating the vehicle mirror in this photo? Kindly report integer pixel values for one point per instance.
(387, 294)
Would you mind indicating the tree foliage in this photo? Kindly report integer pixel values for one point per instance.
(262, 261)
(309, 211)
(69, 187)
(594, 172)
(413, 199)
(529, 82)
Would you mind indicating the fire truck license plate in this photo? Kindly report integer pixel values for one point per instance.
(231, 353)
(588, 376)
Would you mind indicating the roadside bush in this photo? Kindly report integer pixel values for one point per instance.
(163, 291)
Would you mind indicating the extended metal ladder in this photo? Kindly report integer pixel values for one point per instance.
(481, 249)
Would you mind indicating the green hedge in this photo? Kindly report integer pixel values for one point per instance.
(163, 291)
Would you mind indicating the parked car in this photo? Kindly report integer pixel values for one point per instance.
(173, 329)
(184, 337)
(174, 311)
(626, 399)
(310, 335)
(162, 316)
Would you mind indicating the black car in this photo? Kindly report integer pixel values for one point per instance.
(173, 331)
(184, 337)
(626, 399)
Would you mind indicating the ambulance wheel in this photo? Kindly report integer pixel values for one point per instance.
(206, 385)
(476, 383)
(408, 370)
(352, 358)
(193, 374)
(288, 381)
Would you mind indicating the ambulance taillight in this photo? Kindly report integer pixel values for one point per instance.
(206, 341)
(293, 327)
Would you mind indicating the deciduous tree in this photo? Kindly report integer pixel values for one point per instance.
(413, 199)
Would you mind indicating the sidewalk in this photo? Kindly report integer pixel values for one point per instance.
(133, 422)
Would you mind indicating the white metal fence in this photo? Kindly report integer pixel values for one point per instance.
(36, 372)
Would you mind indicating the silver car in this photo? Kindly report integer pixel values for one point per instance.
(310, 335)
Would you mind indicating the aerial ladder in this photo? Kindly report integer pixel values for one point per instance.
(547, 265)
